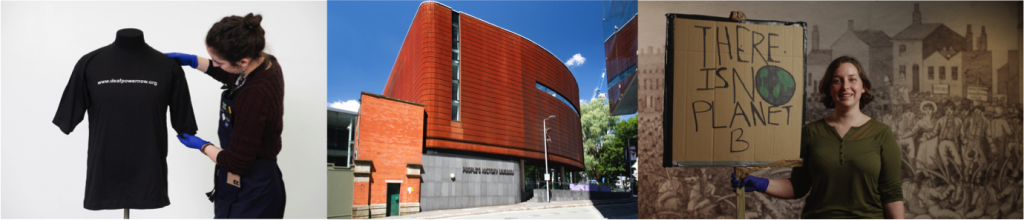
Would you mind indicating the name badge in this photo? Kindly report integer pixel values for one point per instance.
(234, 180)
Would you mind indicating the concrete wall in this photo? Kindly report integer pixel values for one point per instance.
(466, 190)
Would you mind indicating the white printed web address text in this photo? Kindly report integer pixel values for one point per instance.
(123, 81)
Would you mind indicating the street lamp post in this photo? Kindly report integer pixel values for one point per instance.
(629, 166)
(547, 176)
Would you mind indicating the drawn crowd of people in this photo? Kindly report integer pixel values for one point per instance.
(961, 157)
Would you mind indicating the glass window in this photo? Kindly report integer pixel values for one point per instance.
(558, 96)
(456, 77)
(931, 73)
(903, 50)
(455, 89)
(455, 69)
(455, 34)
(455, 110)
(455, 41)
(339, 140)
(623, 75)
(942, 72)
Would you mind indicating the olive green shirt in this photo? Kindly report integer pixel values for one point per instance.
(852, 176)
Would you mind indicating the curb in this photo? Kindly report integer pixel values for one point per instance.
(529, 208)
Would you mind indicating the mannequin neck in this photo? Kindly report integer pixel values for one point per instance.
(130, 38)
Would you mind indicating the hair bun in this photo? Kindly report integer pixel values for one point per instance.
(252, 21)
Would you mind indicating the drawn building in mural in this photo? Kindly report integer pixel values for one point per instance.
(1009, 75)
(817, 61)
(920, 49)
(872, 47)
(977, 63)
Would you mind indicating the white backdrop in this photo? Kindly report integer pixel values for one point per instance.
(43, 170)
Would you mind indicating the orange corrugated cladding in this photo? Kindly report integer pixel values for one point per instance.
(390, 134)
(501, 108)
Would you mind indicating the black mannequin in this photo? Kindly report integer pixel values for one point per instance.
(130, 38)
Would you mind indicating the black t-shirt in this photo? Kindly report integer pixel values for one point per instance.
(127, 93)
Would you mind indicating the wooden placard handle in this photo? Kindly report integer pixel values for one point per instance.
(743, 172)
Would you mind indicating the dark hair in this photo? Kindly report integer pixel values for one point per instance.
(826, 81)
(234, 38)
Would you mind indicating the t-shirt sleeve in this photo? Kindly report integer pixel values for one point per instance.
(75, 100)
(800, 178)
(889, 186)
(218, 74)
(183, 119)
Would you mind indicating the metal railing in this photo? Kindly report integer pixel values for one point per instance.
(543, 185)
(566, 186)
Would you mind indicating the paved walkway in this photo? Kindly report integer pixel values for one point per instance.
(515, 207)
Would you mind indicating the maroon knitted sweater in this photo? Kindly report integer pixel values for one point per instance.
(258, 118)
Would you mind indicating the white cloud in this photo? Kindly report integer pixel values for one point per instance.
(575, 61)
(350, 105)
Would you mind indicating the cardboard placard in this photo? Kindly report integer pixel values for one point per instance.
(734, 91)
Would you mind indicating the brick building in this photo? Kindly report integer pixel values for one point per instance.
(484, 93)
(387, 157)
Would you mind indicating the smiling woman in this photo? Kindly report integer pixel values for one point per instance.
(844, 68)
(850, 160)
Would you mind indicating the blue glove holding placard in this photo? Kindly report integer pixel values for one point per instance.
(184, 59)
(192, 141)
(751, 183)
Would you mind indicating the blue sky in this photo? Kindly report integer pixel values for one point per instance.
(364, 39)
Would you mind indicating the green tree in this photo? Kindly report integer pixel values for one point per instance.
(613, 155)
(596, 120)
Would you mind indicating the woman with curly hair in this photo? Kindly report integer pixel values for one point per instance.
(248, 182)
(851, 162)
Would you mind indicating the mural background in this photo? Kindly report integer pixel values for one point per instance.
(947, 79)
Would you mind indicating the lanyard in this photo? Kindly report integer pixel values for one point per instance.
(233, 90)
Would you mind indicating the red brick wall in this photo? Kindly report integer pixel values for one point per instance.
(501, 107)
(361, 194)
(390, 133)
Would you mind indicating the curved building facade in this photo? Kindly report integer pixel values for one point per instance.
(486, 90)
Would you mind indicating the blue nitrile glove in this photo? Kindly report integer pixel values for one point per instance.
(751, 183)
(184, 59)
(192, 141)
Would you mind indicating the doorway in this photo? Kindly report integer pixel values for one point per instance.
(394, 190)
